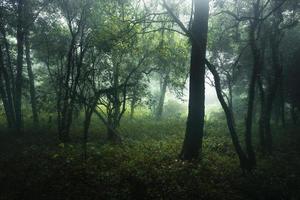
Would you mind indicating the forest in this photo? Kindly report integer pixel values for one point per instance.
(149, 99)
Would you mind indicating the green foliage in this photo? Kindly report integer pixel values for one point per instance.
(145, 165)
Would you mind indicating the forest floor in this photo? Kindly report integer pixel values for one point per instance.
(144, 166)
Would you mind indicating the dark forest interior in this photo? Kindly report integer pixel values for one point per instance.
(149, 99)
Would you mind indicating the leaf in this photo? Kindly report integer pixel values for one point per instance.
(61, 145)
(55, 155)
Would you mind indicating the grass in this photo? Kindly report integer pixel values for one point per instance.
(144, 166)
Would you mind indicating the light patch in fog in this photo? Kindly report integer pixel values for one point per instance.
(211, 99)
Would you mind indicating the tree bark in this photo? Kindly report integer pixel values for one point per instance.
(262, 115)
(294, 115)
(19, 75)
(251, 89)
(229, 117)
(8, 73)
(282, 103)
(87, 122)
(4, 95)
(160, 106)
(192, 145)
(275, 39)
(116, 95)
(31, 82)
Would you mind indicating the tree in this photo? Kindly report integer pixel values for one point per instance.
(192, 145)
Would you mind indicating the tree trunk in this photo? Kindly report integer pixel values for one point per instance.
(8, 72)
(65, 109)
(230, 92)
(262, 116)
(87, 122)
(251, 90)
(5, 103)
(19, 76)
(192, 145)
(4, 96)
(160, 106)
(294, 116)
(282, 103)
(229, 117)
(112, 133)
(275, 39)
(116, 96)
(31, 82)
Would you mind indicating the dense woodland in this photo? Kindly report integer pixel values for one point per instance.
(106, 99)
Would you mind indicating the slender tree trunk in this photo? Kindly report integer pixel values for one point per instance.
(230, 103)
(4, 95)
(116, 96)
(294, 116)
(251, 91)
(65, 112)
(282, 103)
(5, 103)
(8, 72)
(192, 145)
(275, 39)
(113, 118)
(19, 75)
(160, 106)
(9, 94)
(31, 82)
(87, 122)
(262, 115)
(230, 119)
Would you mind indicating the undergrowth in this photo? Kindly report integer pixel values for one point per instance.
(144, 166)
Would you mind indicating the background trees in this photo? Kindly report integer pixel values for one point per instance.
(67, 59)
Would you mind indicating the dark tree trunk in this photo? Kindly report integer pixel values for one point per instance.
(192, 145)
(276, 78)
(19, 75)
(230, 92)
(66, 107)
(112, 134)
(294, 115)
(262, 115)
(163, 90)
(229, 117)
(8, 71)
(116, 96)
(31, 82)
(251, 89)
(282, 103)
(5, 102)
(4, 95)
(87, 122)
(65, 112)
